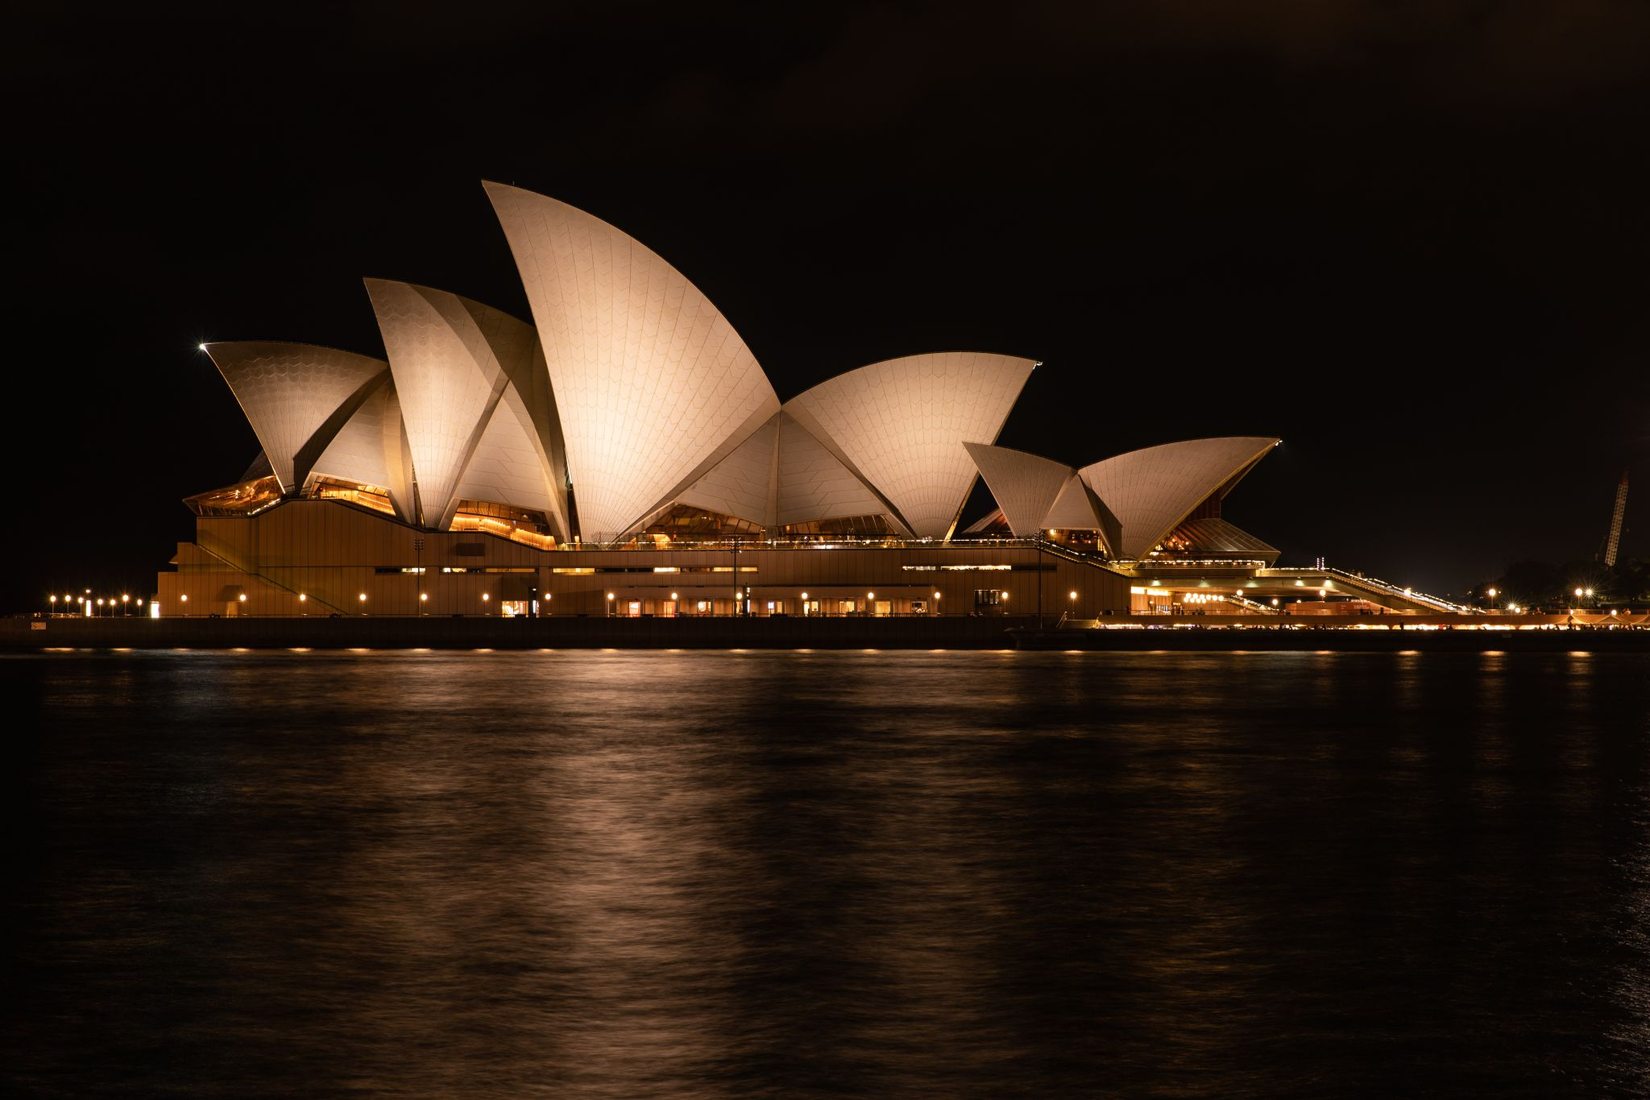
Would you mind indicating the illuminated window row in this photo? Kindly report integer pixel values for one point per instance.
(587, 570)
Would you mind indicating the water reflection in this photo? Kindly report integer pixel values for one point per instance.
(814, 873)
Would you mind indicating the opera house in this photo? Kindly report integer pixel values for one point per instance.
(626, 455)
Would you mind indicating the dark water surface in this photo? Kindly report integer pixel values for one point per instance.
(826, 874)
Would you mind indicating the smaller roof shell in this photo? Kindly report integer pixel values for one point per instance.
(898, 425)
(295, 396)
(1152, 490)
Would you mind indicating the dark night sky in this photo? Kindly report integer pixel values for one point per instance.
(1410, 238)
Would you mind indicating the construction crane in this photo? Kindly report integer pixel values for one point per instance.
(1612, 542)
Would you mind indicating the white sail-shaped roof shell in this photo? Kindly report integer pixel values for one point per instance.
(781, 476)
(292, 395)
(1035, 493)
(654, 384)
(370, 448)
(1077, 508)
(507, 466)
(1025, 486)
(1152, 490)
(814, 485)
(449, 355)
(743, 483)
(899, 426)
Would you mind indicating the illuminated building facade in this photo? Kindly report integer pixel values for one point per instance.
(625, 454)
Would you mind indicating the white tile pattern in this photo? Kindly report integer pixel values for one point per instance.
(1025, 486)
(288, 391)
(813, 484)
(1152, 490)
(742, 484)
(507, 466)
(900, 425)
(650, 378)
(370, 449)
(448, 356)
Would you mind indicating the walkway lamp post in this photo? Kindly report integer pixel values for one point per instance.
(1492, 594)
(53, 599)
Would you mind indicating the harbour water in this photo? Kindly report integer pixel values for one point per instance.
(793, 874)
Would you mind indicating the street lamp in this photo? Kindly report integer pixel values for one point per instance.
(125, 603)
(1492, 594)
(610, 605)
(53, 599)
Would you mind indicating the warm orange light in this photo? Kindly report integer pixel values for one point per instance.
(1073, 594)
(362, 597)
(610, 595)
(485, 597)
(673, 596)
(184, 598)
(804, 595)
(1005, 595)
(423, 597)
(243, 597)
(936, 595)
(302, 597)
(870, 595)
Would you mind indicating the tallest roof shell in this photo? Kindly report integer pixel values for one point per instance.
(652, 382)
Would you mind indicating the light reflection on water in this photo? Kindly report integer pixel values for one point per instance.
(625, 874)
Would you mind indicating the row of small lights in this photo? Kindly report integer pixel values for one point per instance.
(740, 594)
(87, 601)
(485, 597)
